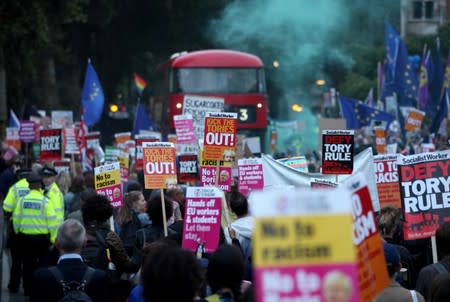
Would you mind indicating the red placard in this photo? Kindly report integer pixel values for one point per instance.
(51, 145)
(159, 165)
(337, 151)
(386, 176)
(187, 168)
(220, 136)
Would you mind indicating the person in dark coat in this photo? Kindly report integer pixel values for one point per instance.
(70, 240)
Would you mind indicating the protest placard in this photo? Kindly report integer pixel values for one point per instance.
(298, 163)
(139, 156)
(319, 184)
(62, 165)
(62, 119)
(187, 168)
(120, 140)
(380, 140)
(27, 131)
(296, 256)
(111, 154)
(373, 276)
(250, 175)
(425, 192)
(208, 174)
(93, 140)
(202, 219)
(220, 136)
(51, 145)
(159, 165)
(184, 128)
(124, 166)
(13, 138)
(337, 151)
(386, 176)
(414, 120)
(198, 106)
(107, 182)
(70, 141)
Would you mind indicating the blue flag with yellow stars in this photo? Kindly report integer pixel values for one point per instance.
(357, 114)
(92, 98)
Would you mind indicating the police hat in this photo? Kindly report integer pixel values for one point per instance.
(48, 172)
(33, 178)
(23, 172)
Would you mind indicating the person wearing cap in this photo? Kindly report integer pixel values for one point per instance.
(34, 222)
(15, 192)
(52, 192)
(395, 292)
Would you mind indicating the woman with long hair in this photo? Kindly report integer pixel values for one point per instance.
(128, 220)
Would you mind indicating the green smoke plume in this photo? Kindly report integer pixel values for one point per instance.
(306, 37)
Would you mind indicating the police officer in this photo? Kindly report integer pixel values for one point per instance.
(52, 192)
(15, 193)
(34, 221)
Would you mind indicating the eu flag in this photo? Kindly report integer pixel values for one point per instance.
(392, 39)
(442, 109)
(142, 120)
(435, 84)
(93, 98)
(358, 114)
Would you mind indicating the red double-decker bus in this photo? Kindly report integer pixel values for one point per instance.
(236, 77)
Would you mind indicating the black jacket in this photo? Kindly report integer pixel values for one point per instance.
(46, 288)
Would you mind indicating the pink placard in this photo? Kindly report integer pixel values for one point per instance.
(114, 194)
(27, 132)
(327, 282)
(208, 177)
(202, 224)
(184, 128)
(250, 175)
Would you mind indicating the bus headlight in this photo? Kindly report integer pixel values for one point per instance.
(179, 105)
(259, 105)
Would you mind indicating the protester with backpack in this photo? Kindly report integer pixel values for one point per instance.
(71, 279)
(104, 249)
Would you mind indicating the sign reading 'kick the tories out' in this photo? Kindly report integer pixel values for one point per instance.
(159, 165)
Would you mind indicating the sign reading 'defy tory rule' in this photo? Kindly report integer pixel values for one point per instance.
(202, 219)
(160, 171)
(425, 192)
(107, 182)
(337, 151)
(51, 145)
(295, 255)
(220, 136)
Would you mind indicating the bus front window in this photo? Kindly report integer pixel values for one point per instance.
(218, 80)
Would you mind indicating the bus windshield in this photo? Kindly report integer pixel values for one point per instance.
(218, 80)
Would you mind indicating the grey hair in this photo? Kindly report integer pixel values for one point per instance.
(71, 235)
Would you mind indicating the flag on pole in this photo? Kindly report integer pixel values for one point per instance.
(93, 98)
(140, 83)
(13, 120)
(357, 114)
(442, 109)
(423, 82)
(370, 100)
(142, 121)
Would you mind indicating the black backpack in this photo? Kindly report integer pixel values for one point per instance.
(94, 253)
(74, 291)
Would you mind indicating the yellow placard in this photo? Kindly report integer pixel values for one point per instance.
(287, 241)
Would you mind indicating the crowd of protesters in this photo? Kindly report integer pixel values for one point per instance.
(124, 255)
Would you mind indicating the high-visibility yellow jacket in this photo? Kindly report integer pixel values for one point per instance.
(34, 215)
(15, 193)
(56, 199)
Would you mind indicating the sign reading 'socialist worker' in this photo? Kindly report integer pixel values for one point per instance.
(220, 136)
(425, 192)
(51, 145)
(337, 151)
(107, 182)
(160, 171)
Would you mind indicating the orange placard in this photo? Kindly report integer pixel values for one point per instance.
(414, 120)
(380, 140)
(121, 139)
(159, 165)
(220, 136)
